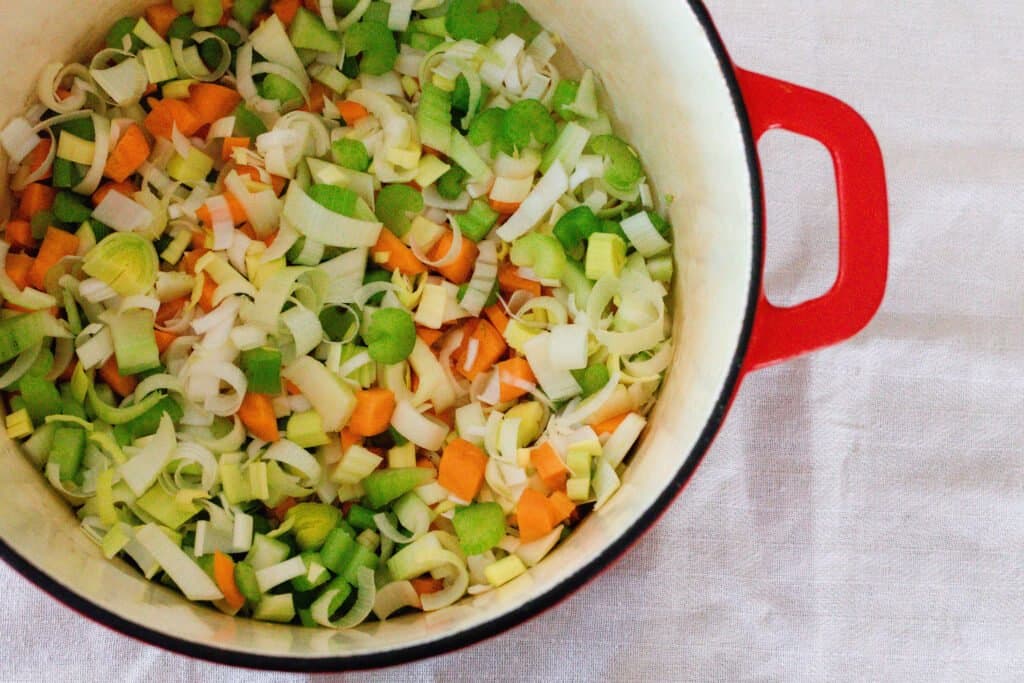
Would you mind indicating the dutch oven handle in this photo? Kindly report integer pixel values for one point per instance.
(780, 333)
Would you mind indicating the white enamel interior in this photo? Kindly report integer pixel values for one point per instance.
(673, 104)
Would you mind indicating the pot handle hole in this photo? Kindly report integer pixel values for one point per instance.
(780, 333)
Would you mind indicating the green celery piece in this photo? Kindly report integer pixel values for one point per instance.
(82, 127)
(165, 508)
(147, 423)
(434, 118)
(333, 198)
(67, 450)
(21, 332)
(351, 154)
(614, 228)
(565, 95)
(385, 486)
(66, 173)
(42, 364)
(487, 126)
(453, 183)
(543, 253)
(308, 32)
(121, 28)
(361, 518)
(465, 20)
(423, 41)
(312, 522)
(41, 398)
(480, 527)
(245, 11)
(515, 19)
(247, 123)
(362, 557)
(460, 96)
(395, 203)
(134, 341)
(207, 12)
(376, 43)
(337, 548)
(526, 120)
(245, 579)
(182, 28)
(591, 379)
(278, 88)
(377, 12)
(105, 412)
(99, 230)
(390, 336)
(575, 279)
(70, 208)
(344, 589)
(262, 368)
(660, 224)
(624, 170)
(575, 227)
(478, 221)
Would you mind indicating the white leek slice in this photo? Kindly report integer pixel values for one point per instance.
(605, 483)
(276, 574)
(393, 597)
(296, 457)
(186, 574)
(332, 229)
(557, 383)
(644, 236)
(623, 438)
(418, 428)
(122, 213)
(533, 552)
(141, 471)
(568, 347)
(365, 599)
(271, 41)
(330, 397)
(545, 195)
(19, 139)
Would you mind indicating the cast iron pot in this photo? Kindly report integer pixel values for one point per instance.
(695, 118)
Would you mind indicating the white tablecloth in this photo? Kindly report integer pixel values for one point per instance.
(861, 516)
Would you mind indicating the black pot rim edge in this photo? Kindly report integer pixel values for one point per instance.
(538, 604)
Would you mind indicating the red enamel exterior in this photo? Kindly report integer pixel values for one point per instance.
(782, 333)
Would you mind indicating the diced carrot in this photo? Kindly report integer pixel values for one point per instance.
(17, 267)
(348, 438)
(170, 309)
(123, 385)
(399, 256)
(257, 414)
(56, 245)
(286, 10)
(513, 374)
(238, 215)
(352, 112)
(534, 516)
(160, 17)
(461, 269)
(281, 509)
(562, 506)
(19, 233)
(549, 466)
(318, 92)
(166, 114)
(130, 152)
(209, 290)
(292, 388)
(199, 240)
(462, 469)
(490, 347)
(230, 144)
(424, 462)
(189, 260)
(125, 188)
(428, 335)
(496, 314)
(164, 339)
(426, 585)
(276, 182)
(504, 208)
(610, 425)
(34, 199)
(212, 102)
(224, 577)
(373, 412)
(38, 155)
(510, 281)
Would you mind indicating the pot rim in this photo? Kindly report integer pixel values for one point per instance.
(542, 602)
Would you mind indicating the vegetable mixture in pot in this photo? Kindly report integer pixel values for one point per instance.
(323, 310)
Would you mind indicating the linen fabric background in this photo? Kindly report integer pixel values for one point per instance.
(861, 515)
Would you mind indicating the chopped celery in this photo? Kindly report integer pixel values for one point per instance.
(67, 450)
(575, 227)
(390, 336)
(543, 253)
(66, 173)
(515, 19)
(360, 557)
(122, 29)
(434, 118)
(477, 222)
(479, 527)
(147, 423)
(182, 28)
(159, 64)
(75, 149)
(278, 608)
(21, 332)
(623, 170)
(568, 148)
(526, 121)
(279, 88)
(394, 205)
(504, 570)
(245, 579)
(340, 200)
(465, 20)
(191, 169)
(309, 32)
(247, 123)
(70, 208)
(134, 342)
(453, 183)
(565, 95)
(486, 127)
(245, 11)
(606, 254)
(266, 552)
(336, 548)
(41, 397)
(384, 486)
(307, 429)
(375, 42)
(262, 368)
(316, 573)
(165, 508)
(350, 154)
(591, 379)
(361, 518)
(207, 12)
